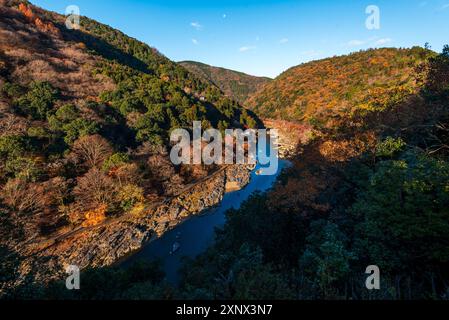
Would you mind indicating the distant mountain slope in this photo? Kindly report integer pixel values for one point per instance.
(234, 84)
(319, 90)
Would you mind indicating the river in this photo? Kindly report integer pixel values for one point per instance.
(197, 233)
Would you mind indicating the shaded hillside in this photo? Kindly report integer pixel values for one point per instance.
(371, 188)
(319, 90)
(236, 85)
(85, 118)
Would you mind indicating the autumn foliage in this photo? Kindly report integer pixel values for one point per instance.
(46, 27)
(317, 91)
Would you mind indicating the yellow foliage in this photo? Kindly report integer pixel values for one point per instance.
(95, 216)
(137, 209)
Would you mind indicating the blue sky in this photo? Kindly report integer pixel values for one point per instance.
(266, 37)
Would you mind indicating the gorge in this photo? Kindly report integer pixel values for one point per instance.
(87, 177)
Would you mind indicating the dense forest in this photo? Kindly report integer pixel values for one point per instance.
(236, 85)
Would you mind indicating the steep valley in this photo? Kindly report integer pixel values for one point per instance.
(86, 176)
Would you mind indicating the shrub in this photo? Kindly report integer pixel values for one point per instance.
(129, 196)
(12, 90)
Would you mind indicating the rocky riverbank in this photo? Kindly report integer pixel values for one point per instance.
(104, 245)
(291, 136)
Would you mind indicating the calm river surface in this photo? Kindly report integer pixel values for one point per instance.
(196, 234)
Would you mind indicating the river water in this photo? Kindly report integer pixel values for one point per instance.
(196, 234)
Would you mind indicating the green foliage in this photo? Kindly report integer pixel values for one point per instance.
(390, 147)
(157, 82)
(38, 101)
(138, 281)
(67, 113)
(13, 90)
(405, 211)
(79, 128)
(22, 168)
(387, 207)
(234, 84)
(37, 132)
(326, 260)
(12, 146)
(242, 275)
(114, 161)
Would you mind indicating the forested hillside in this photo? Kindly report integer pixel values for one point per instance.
(236, 85)
(316, 91)
(85, 117)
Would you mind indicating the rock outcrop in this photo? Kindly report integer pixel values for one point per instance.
(291, 136)
(105, 244)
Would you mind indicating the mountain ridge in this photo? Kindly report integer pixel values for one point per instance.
(234, 84)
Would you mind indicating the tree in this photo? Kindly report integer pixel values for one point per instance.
(92, 150)
(115, 161)
(79, 128)
(326, 261)
(252, 279)
(129, 195)
(22, 196)
(403, 213)
(23, 168)
(67, 113)
(435, 74)
(12, 146)
(94, 189)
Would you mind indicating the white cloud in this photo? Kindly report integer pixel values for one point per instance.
(283, 41)
(356, 43)
(384, 41)
(247, 48)
(195, 42)
(374, 41)
(196, 25)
